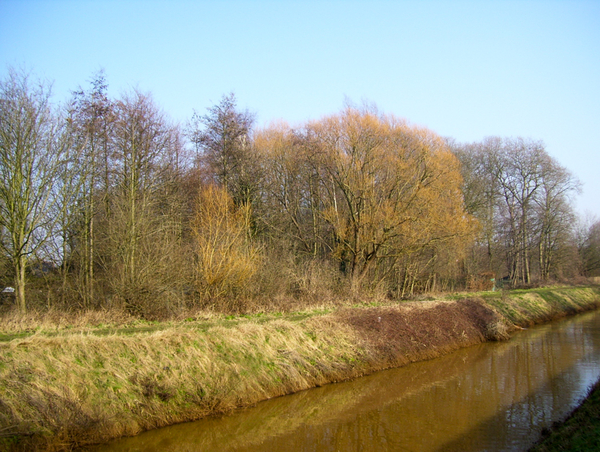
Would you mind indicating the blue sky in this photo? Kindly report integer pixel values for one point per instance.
(465, 69)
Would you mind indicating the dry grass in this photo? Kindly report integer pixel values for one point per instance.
(79, 385)
(529, 307)
(90, 388)
(12, 322)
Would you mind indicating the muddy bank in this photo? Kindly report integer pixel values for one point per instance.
(66, 390)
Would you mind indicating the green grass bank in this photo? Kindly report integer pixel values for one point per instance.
(65, 384)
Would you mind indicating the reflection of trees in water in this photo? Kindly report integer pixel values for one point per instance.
(498, 392)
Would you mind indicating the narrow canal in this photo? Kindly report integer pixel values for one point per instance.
(491, 397)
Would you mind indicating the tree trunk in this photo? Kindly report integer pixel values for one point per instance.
(20, 264)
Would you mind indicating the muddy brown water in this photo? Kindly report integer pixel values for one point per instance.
(490, 397)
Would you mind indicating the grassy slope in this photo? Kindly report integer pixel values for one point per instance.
(62, 386)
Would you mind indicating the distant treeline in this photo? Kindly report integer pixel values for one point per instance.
(106, 203)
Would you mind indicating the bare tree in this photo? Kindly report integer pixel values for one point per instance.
(93, 117)
(30, 158)
(520, 195)
(555, 217)
(140, 234)
(292, 189)
(480, 169)
(223, 144)
(588, 244)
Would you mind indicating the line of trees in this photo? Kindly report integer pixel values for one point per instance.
(105, 202)
(522, 200)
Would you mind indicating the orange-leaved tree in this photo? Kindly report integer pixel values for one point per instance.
(392, 190)
(226, 258)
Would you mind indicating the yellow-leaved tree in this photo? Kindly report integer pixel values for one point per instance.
(393, 190)
(226, 258)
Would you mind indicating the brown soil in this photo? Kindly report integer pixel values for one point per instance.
(412, 332)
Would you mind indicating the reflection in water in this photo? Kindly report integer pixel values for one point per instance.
(495, 396)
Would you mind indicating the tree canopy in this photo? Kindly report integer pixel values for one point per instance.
(129, 210)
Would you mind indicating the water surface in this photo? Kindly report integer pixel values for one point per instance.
(490, 397)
